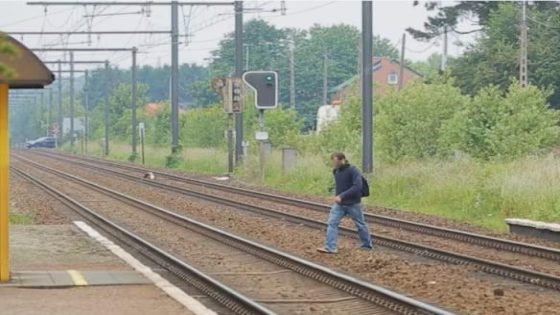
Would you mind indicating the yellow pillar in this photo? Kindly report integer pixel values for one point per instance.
(4, 188)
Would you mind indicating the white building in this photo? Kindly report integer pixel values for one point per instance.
(326, 114)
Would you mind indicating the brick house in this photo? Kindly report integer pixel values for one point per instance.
(385, 77)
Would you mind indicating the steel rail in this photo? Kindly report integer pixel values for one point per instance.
(375, 294)
(224, 295)
(516, 273)
(459, 235)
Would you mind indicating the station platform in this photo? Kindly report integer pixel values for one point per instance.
(69, 278)
(59, 269)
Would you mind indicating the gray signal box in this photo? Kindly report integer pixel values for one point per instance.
(265, 86)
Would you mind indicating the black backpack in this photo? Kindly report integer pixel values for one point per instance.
(365, 187)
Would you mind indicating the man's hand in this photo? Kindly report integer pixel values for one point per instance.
(337, 199)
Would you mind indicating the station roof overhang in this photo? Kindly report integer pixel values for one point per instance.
(24, 70)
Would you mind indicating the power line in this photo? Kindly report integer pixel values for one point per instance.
(423, 50)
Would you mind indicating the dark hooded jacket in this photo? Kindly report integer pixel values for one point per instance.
(348, 184)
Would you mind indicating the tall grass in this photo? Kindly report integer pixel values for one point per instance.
(196, 160)
(481, 193)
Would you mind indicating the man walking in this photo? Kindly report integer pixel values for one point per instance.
(349, 184)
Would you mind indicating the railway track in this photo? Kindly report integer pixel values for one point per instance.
(492, 267)
(345, 292)
(458, 235)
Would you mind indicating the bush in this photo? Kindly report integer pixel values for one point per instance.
(283, 125)
(158, 130)
(409, 123)
(497, 126)
(203, 127)
(344, 134)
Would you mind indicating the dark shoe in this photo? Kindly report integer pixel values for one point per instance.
(325, 250)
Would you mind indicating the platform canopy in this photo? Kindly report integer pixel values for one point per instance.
(19, 69)
(22, 69)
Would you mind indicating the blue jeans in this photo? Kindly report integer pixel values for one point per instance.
(353, 211)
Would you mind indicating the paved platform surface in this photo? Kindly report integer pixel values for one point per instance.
(51, 279)
(57, 269)
(106, 300)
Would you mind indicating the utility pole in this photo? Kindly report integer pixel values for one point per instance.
(367, 87)
(174, 47)
(359, 63)
(401, 68)
(106, 108)
(133, 103)
(106, 113)
(60, 117)
(325, 77)
(174, 76)
(444, 54)
(72, 99)
(49, 114)
(246, 56)
(523, 75)
(292, 75)
(42, 110)
(238, 10)
(86, 110)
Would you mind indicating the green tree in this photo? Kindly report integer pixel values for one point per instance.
(494, 58)
(120, 101)
(203, 127)
(428, 68)
(494, 125)
(158, 129)
(202, 93)
(476, 12)
(7, 50)
(410, 123)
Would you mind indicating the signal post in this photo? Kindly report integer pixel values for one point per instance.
(265, 86)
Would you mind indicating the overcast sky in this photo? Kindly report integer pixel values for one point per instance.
(207, 25)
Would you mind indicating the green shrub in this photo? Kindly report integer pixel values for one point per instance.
(504, 126)
(203, 127)
(409, 123)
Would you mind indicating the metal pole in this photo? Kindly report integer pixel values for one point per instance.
(174, 75)
(367, 87)
(106, 109)
(133, 103)
(230, 143)
(292, 76)
(60, 118)
(142, 135)
(42, 109)
(524, 41)
(360, 64)
(262, 153)
(325, 78)
(401, 67)
(444, 55)
(72, 99)
(49, 114)
(238, 8)
(86, 112)
(246, 57)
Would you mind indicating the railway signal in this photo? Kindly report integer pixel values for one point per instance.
(265, 86)
(231, 91)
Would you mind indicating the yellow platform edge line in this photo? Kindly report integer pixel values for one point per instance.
(77, 277)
